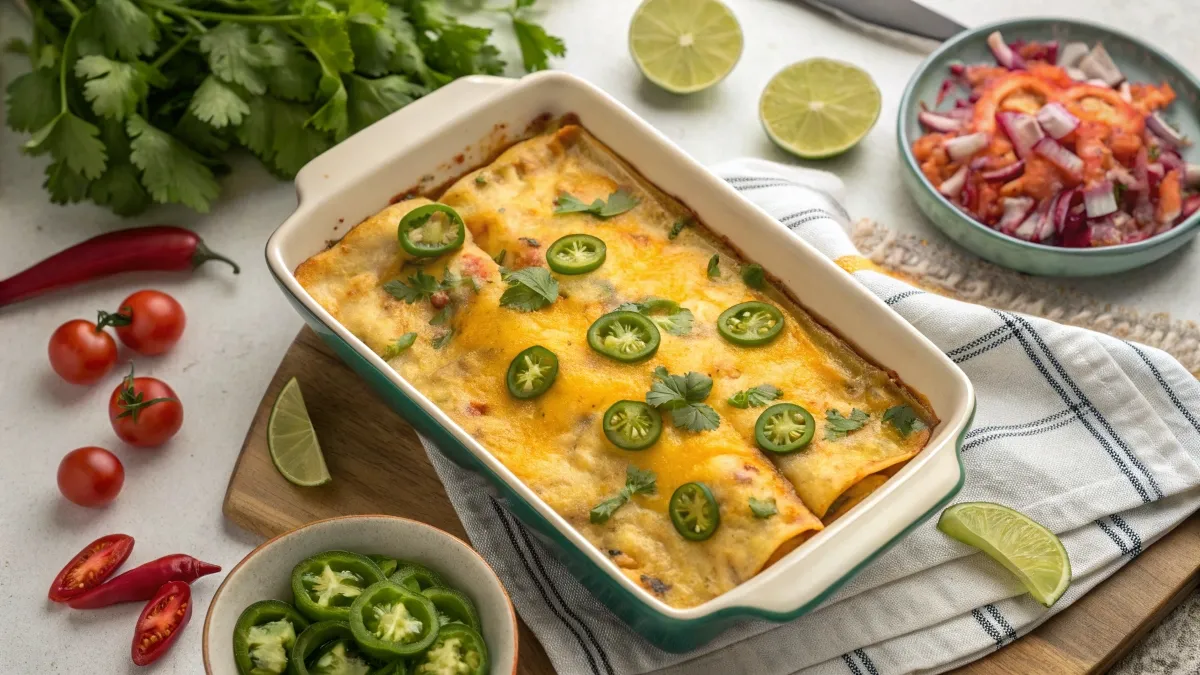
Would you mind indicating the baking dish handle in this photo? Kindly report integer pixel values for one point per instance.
(359, 155)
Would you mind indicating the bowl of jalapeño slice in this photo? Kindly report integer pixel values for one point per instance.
(377, 595)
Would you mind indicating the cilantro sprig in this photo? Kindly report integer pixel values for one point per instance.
(683, 395)
(637, 482)
(838, 427)
(904, 419)
(618, 202)
(755, 397)
(139, 101)
(529, 289)
(666, 314)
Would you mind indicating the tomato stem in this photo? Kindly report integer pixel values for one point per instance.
(132, 402)
(114, 319)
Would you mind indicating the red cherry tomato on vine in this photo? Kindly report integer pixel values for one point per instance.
(90, 476)
(144, 411)
(149, 322)
(81, 353)
(161, 622)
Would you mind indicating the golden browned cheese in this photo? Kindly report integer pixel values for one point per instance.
(554, 443)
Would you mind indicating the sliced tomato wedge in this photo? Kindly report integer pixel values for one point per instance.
(91, 566)
(161, 622)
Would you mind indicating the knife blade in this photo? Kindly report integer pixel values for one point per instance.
(905, 16)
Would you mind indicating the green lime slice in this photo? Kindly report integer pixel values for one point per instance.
(819, 108)
(293, 441)
(684, 46)
(1027, 549)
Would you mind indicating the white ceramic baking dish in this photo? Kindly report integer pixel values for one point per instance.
(461, 126)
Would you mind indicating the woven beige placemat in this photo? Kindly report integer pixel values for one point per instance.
(942, 269)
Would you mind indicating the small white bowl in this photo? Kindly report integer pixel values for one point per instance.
(265, 572)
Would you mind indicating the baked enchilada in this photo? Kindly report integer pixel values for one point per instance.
(660, 394)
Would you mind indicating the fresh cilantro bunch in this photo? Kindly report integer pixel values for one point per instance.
(138, 101)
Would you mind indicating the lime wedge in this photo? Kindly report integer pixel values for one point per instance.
(684, 46)
(1027, 549)
(819, 108)
(293, 441)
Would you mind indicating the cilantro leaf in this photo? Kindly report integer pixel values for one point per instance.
(443, 339)
(120, 188)
(837, 427)
(275, 131)
(372, 100)
(125, 30)
(64, 185)
(678, 227)
(666, 314)
(753, 276)
(420, 286)
(332, 115)
(637, 481)
(618, 202)
(696, 417)
(233, 56)
(218, 104)
(171, 172)
(73, 141)
(683, 396)
(112, 87)
(499, 257)
(536, 44)
(33, 100)
(755, 397)
(905, 419)
(291, 74)
(529, 289)
(396, 348)
(763, 508)
(443, 316)
(714, 266)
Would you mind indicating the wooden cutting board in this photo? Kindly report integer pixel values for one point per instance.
(370, 451)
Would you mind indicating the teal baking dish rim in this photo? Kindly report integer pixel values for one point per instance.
(667, 633)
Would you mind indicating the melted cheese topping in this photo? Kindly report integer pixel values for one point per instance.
(554, 443)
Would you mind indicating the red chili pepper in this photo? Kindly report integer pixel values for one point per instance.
(141, 582)
(161, 622)
(157, 247)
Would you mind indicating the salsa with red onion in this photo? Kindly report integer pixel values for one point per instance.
(1054, 146)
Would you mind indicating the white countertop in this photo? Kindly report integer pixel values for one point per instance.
(239, 327)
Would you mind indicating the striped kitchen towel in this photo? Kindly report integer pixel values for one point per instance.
(1094, 437)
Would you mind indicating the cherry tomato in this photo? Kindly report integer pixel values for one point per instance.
(144, 411)
(90, 476)
(161, 621)
(91, 566)
(153, 322)
(81, 353)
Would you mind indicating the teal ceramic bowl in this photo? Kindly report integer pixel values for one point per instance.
(1139, 61)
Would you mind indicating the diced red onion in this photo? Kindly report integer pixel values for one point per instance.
(1172, 161)
(1006, 173)
(1100, 200)
(1016, 210)
(1191, 174)
(1103, 232)
(1072, 53)
(1156, 171)
(952, 186)
(1056, 120)
(1004, 54)
(1121, 175)
(1168, 133)
(1064, 213)
(1028, 229)
(1099, 65)
(963, 147)
(1190, 206)
(1127, 227)
(1022, 129)
(974, 97)
(947, 85)
(1061, 157)
(1143, 209)
(1126, 92)
(937, 122)
(958, 69)
(962, 113)
(1076, 74)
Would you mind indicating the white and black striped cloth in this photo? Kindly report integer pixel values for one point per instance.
(1094, 437)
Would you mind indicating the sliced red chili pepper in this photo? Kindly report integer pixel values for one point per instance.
(91, 566)
(161, 622)
(141, 583)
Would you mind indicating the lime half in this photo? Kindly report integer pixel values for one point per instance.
(1027, 549)
(293, 441)
(819, 108)
(684, 46)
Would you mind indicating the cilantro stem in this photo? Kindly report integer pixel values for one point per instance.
(221, 16)
(175, 48)
(68, 43)
(71, 8)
